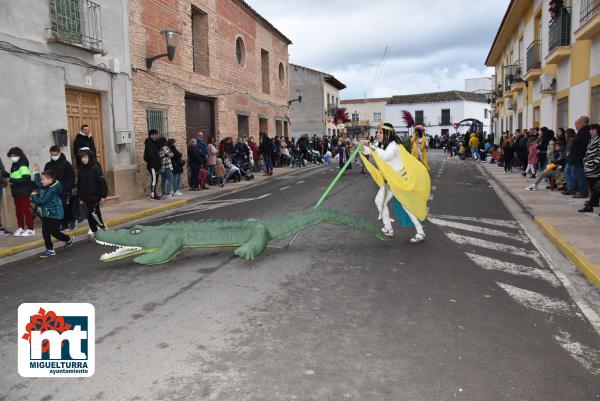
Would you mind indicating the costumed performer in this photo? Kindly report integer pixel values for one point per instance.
(396, 184)
(419, 145)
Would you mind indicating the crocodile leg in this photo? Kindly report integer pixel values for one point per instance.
(170, 248)
(257, 243)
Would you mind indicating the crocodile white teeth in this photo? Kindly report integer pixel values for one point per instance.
(120, 251)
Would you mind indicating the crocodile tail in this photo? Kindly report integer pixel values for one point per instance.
(285, 226)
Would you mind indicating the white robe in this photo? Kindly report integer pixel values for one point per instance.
(391, 155)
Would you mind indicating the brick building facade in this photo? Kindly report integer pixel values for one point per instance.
(228, 77)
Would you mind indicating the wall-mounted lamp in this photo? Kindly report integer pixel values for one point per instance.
(299, 100)
(172, 37)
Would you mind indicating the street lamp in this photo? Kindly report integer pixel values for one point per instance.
(172, 37)
(299, 99)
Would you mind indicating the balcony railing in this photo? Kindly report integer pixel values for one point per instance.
(534, 59)
(513, 73)
(76, 22)
(560, 30)
(588, 9)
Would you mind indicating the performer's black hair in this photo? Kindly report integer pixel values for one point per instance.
(389, 134)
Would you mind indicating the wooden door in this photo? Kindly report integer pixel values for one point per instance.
(85, 108)
(199, 116)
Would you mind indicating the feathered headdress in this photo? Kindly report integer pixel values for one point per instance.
(408, 118)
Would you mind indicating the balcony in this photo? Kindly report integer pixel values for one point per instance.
(534, 61)
(76, 23)
(514, 77)
(559, 37)
(589, 19)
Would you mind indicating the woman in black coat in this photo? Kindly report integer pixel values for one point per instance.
(178, 163)
(91, 188)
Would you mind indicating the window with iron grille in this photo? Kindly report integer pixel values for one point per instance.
(355, 117)
(520, 121)
(76, 22)
(157, 119)
(419, 117)
(595, 105)
(445, 117)
(377, 117)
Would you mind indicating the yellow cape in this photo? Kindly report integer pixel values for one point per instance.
(412, 189)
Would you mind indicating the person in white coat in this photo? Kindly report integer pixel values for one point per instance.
(386, 147)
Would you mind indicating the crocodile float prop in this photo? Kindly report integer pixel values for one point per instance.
(159, 244)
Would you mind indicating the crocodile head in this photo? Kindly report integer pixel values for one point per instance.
(129, 242)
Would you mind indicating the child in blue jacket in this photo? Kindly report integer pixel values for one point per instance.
(50, 209)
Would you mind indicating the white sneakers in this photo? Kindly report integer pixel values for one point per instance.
(418, 238)
(388, 231)
(178, 193)
(24, 233)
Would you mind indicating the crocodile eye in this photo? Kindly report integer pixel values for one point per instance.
(135, 231)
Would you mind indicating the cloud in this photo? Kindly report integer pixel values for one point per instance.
(433, 43)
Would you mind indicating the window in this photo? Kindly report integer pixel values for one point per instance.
(510, 123)
(445, 120)
(281, 72)
(595, 105)
(562, 112)
(240, 51)
(328, 101)
(501, 125)
(157, 119)
(520, 121)
(419, 120)
(76, 22)
(264, 62)
(485, 113)
(243, 126)
(355, 117)
(263, 125)
(200, 41)
(278, 128)
(376, 117)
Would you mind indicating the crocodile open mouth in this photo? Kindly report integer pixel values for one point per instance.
(122, 251)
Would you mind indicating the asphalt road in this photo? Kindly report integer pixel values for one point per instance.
(473, 313)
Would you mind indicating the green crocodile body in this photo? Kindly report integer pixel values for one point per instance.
(159, 244)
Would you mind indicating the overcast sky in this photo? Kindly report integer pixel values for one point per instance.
(434, 44)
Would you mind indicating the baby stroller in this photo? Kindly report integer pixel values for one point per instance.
(314, 157)
(296, 159)
(232, 172)
(244, 166)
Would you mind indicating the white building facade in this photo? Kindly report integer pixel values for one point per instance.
(365, 114)
(439, 111)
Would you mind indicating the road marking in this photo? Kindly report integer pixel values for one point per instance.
(513, 268)
(281, 189)
(537, 301)
(496, 222)
(300, 182)
(494, 246)
(588, 357)
(477, 229)
(210, 205)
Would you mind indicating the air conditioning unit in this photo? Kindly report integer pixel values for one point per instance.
(547, 84)
(510, 103)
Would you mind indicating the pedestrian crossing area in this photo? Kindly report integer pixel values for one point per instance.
(515, 265)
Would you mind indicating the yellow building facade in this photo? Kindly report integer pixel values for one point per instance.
(546, 56)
